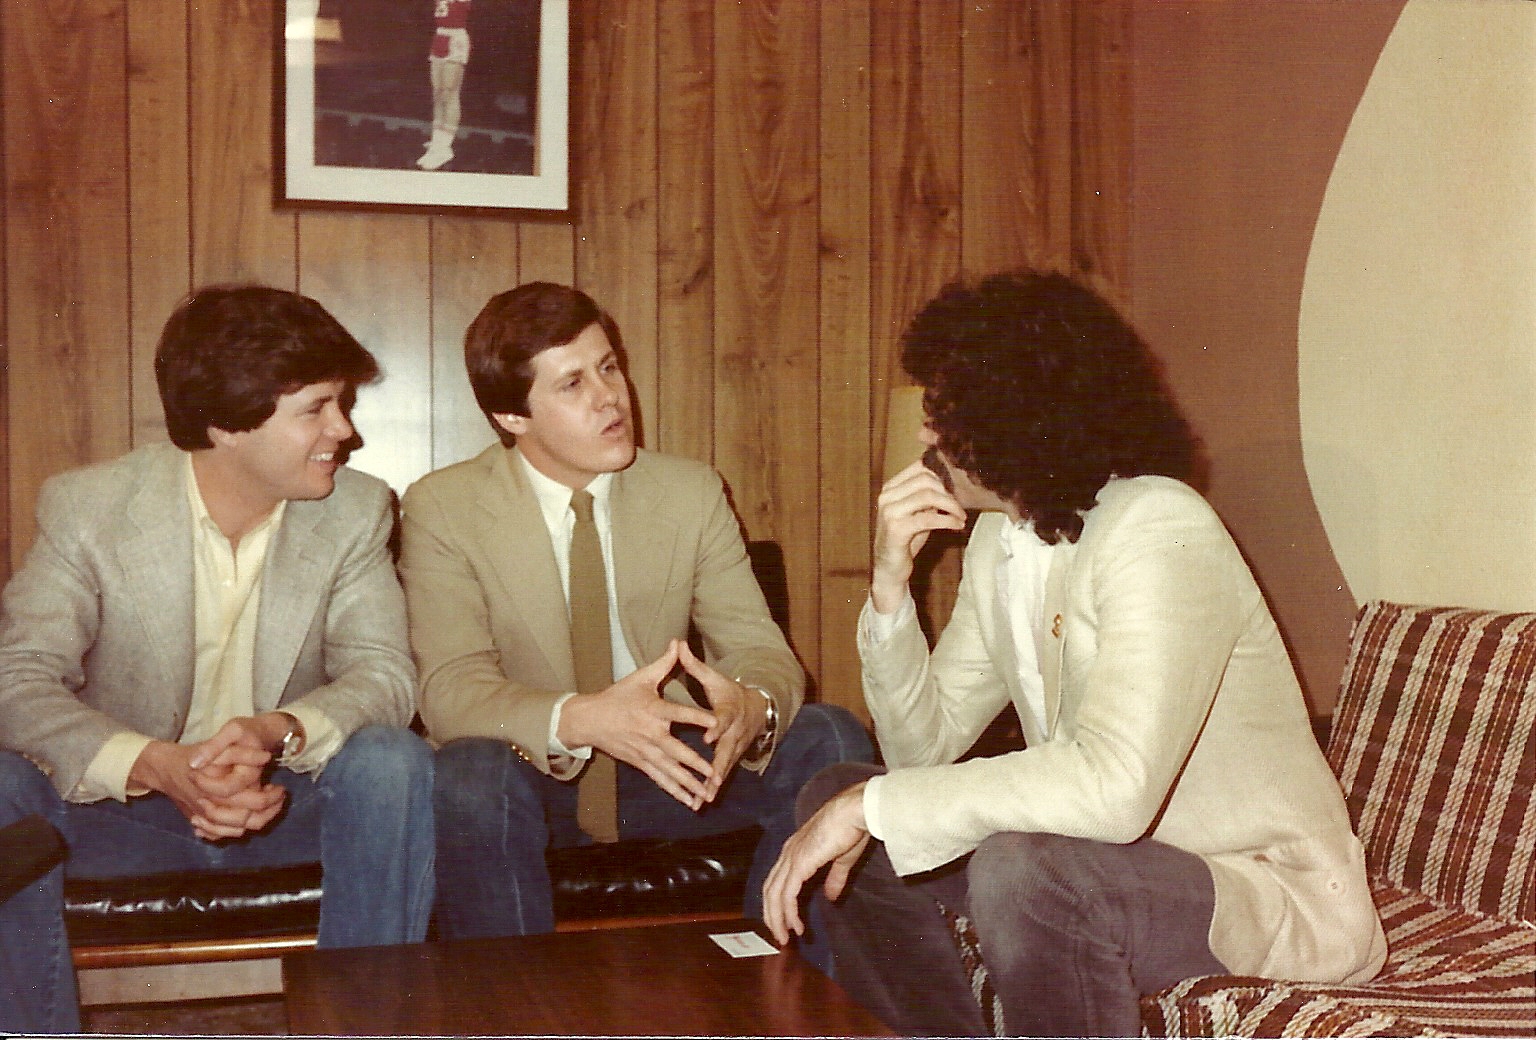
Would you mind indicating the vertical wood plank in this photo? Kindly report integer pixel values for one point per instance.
(1101, 146)
(1016, 125)
(237, 236)
(546, 252)
(848, 466)
(472, 260)
(766, 249)
(685, 246)
(614, 159)
(916, 212)
(373, 276)
(159, 212)
(66, 244)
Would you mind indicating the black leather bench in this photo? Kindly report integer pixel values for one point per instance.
(193, 916)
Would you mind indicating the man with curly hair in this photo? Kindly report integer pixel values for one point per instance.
(1171, 814)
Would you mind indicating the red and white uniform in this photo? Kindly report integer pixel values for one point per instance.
(451, 41)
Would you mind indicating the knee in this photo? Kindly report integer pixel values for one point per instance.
(24, 790)
(476, 774)
(825, 734)
(1049, 877)
(821, 788)
(381, 761)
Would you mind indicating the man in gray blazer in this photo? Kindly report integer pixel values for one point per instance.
(1171, 814)
(204, 661)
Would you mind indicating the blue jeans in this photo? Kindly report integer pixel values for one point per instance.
(367, 818)
(496, 815)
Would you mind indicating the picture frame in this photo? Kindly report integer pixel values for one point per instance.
(424, 104)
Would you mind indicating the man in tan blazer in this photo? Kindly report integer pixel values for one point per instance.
(491, 550)
(203, 659)
(1172, 814)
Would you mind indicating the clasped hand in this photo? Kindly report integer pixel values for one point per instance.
(631, 721)
(216, 783)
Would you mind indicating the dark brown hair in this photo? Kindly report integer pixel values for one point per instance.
(227, 353)
(511, 330)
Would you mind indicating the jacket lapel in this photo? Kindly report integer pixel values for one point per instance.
(156, 561)
(530, 585)
(1050, 637)
(293, 585)
(644, 539)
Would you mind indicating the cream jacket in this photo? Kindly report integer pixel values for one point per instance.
(1172, 712)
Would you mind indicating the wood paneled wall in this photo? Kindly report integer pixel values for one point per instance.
(763, 191)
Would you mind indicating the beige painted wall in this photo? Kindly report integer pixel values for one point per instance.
(1418, 319)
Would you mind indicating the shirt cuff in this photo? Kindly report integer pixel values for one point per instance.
(107, 775)
(321, 739)
(875, 627)
(564, 762)
(872, 808)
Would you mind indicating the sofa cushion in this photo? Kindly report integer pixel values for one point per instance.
(1434, 742)
(1449, 971)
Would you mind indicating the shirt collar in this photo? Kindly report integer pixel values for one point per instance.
(554, 498)
(1019, 537)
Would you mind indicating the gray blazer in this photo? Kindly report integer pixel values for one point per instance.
(97, 632)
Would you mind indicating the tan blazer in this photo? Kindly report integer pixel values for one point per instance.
(1172, 711)
(97, 633)
(488, 615)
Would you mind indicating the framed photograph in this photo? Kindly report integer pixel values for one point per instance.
(424, 103)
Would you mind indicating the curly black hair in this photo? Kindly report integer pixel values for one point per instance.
(1041, 392)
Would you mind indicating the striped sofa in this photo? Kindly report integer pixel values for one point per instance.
(1434, 743)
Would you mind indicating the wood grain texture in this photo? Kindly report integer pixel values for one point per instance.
(472, 260)
(1101, 146)
(1016, 117)
(546, 252)
(916, 231)
(614, 167)
(766, 253)
(685, 119)
(372, 276)
(159, 211)
(849, 468)
(66, 234)
(237, 235)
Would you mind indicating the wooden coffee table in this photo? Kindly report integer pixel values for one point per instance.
(667, 980)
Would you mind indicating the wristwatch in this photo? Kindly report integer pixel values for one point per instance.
(293, 740)
(764, 742)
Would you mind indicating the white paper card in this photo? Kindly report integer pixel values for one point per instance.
(744, 944)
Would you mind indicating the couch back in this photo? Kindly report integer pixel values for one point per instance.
(1434, 742)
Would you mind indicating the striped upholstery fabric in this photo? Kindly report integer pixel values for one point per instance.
(1434, 742)
(1448, 973)
(970, 959)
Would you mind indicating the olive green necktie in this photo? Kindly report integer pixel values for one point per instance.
(592, 658)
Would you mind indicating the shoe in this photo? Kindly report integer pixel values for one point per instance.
(439, 151)
(435, 158)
